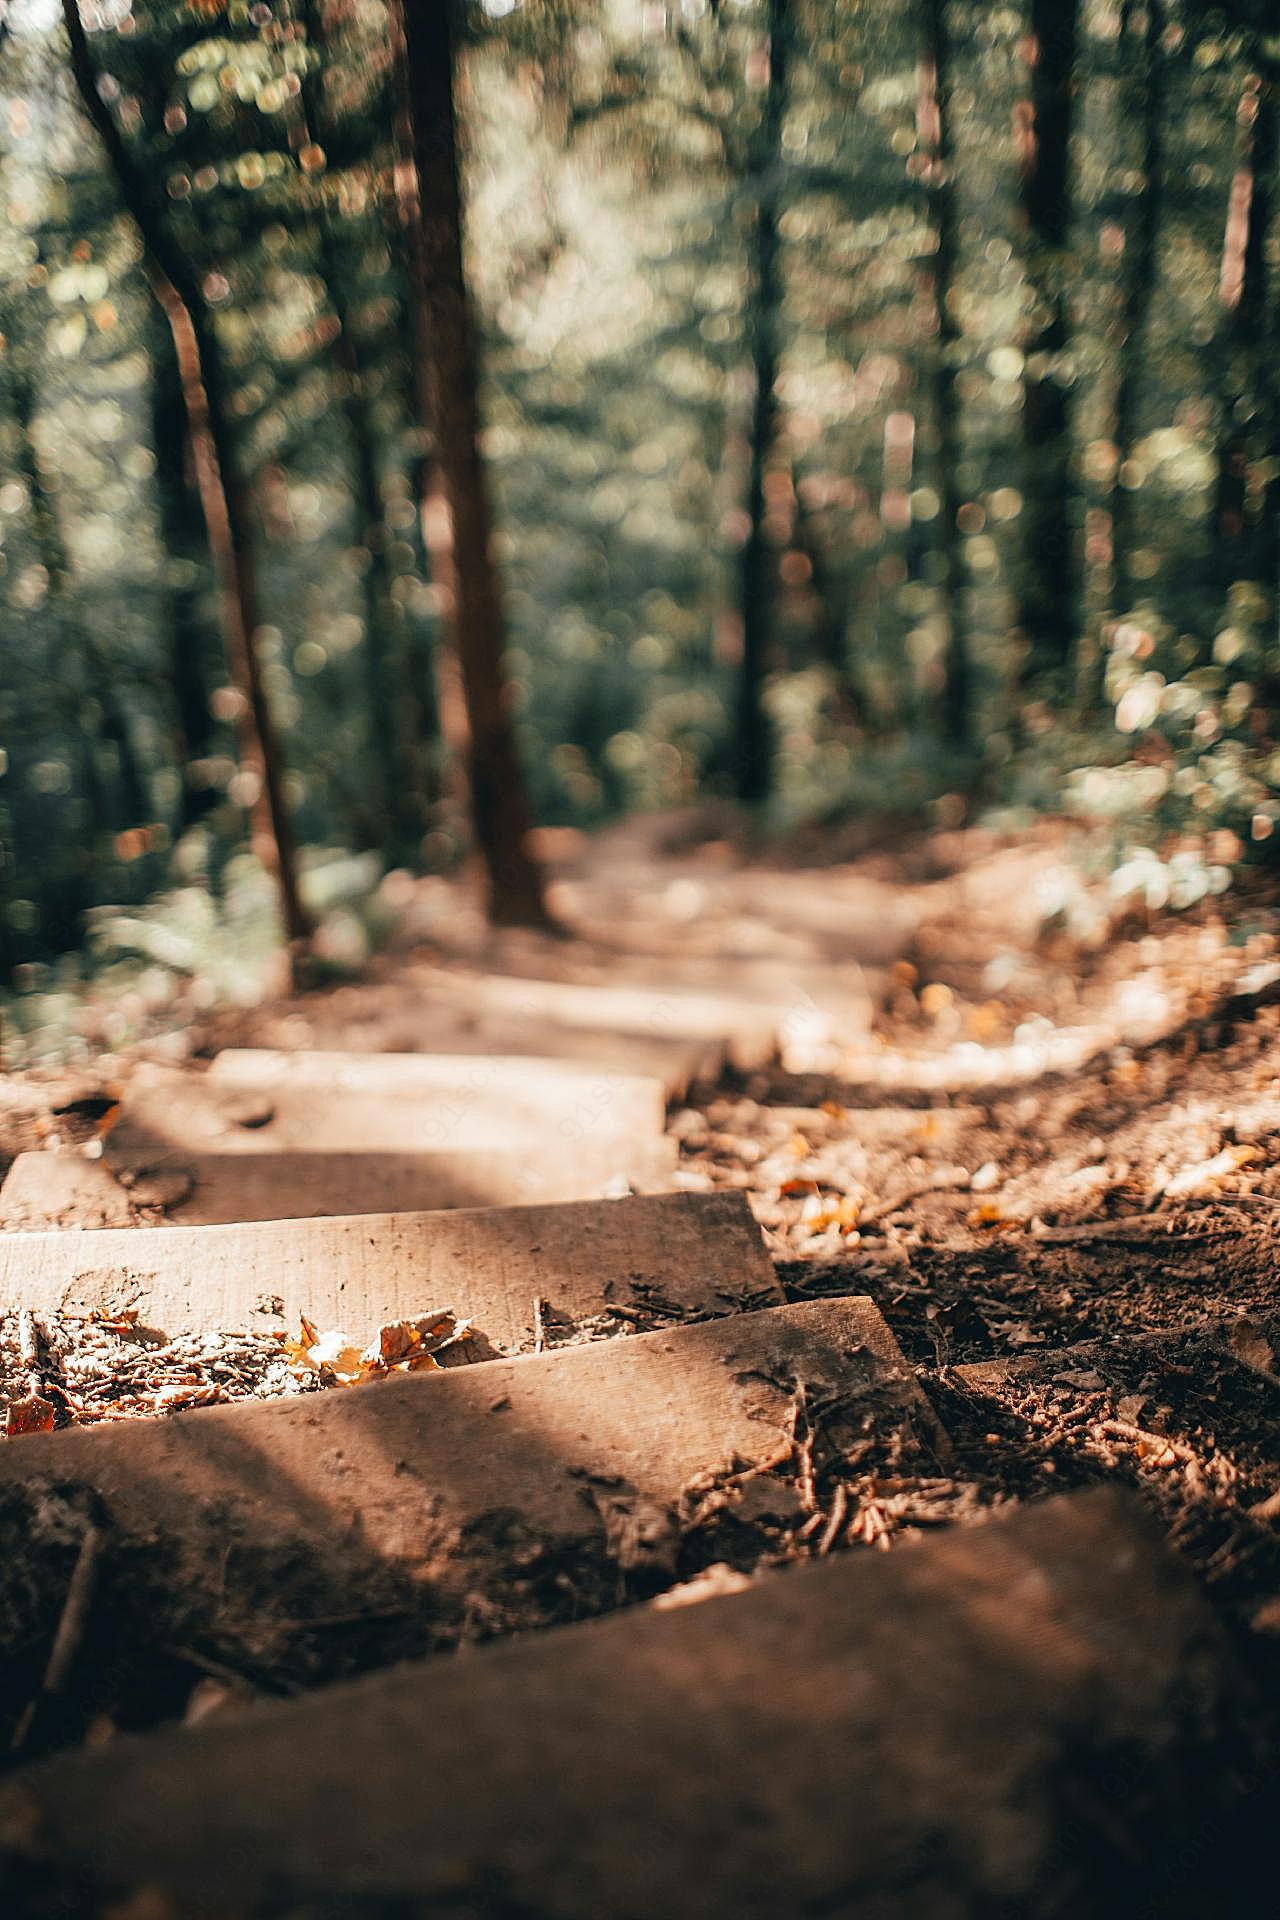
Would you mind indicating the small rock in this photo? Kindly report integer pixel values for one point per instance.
(710, 1584)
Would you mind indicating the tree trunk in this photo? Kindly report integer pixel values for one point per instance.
(397, 817)
(934, 124)
(1144, 100)
(185, 547)
(1048, 589)
(753, 743)
(221, 497)
(462, 523)
(1244, 518)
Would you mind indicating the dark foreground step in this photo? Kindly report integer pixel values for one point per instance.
(641, 1260)
(1029, 1718)
(211, 1189)
(309, 1536)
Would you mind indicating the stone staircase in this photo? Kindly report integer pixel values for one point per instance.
(243, 1644)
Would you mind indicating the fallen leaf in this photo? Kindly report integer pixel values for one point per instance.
(843, 1213)
(989, 1219)
(400, 1346)
(405, 1339)
(336, 1353)
(296, 1351)
(30, 1415)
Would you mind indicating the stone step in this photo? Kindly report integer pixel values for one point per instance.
(408, 1020)
(62, 1190)
(667, 1256)
(429, 1505)
(317, 1103)
(1013, 1718)
(528, 1086)
(212, 1189)
(744, 1031)
(286, 1186)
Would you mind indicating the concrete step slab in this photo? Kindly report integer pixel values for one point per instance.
(539, 1086)
(482, 1498)
(264, 1102)
(410, 1020)
(743, 1030)
(210, 1189)
(215, 1188)
(665, 1256)
(1026, 1717)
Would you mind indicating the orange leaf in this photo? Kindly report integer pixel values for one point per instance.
(989, 1216)
(32, 1415)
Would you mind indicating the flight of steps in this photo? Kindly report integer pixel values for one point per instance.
(1003, 1719)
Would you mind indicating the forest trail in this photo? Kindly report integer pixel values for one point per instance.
(842, 1312)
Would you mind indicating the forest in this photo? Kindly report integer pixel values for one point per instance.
(420, 423)
(639, 959)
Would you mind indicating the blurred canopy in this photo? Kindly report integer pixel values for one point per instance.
(880, 407)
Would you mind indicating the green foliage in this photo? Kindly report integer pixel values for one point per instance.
(611, 192)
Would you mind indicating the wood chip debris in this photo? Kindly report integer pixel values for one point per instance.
(80, 1369)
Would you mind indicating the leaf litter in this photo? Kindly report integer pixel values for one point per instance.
(66, 1369)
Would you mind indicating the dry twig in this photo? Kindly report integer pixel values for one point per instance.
(69, 1638)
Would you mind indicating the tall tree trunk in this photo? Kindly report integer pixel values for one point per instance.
(1244, 520)
(1048, 588)
(222, 498)
(1144, 104)
(462, 519)
(398, 813)
(185, 548)
(934, 126)
(753, 743)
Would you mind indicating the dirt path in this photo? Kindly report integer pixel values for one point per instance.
(1020, 1190)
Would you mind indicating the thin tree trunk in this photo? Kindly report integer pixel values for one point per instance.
(185, 547)
(934, 123)
(753, 743)
(1048, 589)
(1243, 514)
(1144, 102)
(221, 497)
(462, 522)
